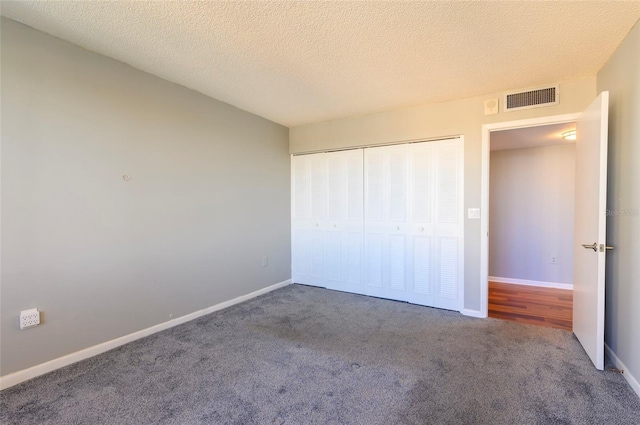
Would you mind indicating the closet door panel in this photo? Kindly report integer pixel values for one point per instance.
(301, 171)
(373, 261)
(421, 180)
(397, 262)
(436, 219)
(353, 224)
(333, 258)
(448, 268)
(449, 225)
(318, 187)
(337, 186)
(301, 255)
(336, 209)
(448, 184)
(355, 186)
(396, 184)
(422, 269)
(421, 215)
(317, 259)
(309, 181)
(386, 221)
(374, 185)
(344, 232)
(300, 218)
(318, 215)
(373, 220)
(396, 200)
(353, 263)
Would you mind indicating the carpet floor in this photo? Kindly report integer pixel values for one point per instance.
(303, 355)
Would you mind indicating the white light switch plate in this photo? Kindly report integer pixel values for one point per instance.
(473, 213)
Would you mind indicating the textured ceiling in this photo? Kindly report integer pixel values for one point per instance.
(297, 62)
(530, 137)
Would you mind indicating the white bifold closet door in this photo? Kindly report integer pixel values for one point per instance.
(382, 221)
(413, 223)
(327, 220)
(435, 257)
(386, 221)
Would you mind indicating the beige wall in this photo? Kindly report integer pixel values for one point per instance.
(621, 77)
(531, 209)
(461, 117)
(102, 257)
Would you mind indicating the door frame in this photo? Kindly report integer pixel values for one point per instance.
(484, 190)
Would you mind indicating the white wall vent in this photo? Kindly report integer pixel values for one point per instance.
(531, 98)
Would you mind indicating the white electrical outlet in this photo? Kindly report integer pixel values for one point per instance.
(265, 261)
(29, 318)
(554, 260)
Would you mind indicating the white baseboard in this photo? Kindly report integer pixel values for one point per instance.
(473, 313)
(567, 286)
(26, 374)
(633, 382)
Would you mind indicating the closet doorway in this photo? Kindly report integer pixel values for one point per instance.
(531, 221)
(384, 221)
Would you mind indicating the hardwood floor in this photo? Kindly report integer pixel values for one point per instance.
(532, 305)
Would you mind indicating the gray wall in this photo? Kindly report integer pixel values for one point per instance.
(102, 257)
(531, 204)
(621, 76)
(460, 117)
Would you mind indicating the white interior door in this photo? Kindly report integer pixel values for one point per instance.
(590, 228)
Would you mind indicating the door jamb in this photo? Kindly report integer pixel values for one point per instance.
(484, 191)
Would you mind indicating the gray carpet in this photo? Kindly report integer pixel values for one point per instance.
(303, 355)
